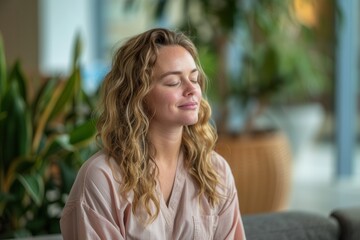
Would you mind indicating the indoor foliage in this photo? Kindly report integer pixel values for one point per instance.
(43, 142)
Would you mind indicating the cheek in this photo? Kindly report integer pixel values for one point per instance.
(157, 100)
(166, 99)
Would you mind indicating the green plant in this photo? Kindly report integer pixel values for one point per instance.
(281, 64)
(278, 61)
(43, 142)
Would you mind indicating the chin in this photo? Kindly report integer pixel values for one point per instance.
(192, 122)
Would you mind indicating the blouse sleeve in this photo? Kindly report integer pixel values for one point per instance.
(81, 222)
(93, 209)
(230, 224)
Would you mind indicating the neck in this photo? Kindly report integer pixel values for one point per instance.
(167, 144)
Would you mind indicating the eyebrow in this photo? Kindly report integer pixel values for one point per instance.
(176, 73)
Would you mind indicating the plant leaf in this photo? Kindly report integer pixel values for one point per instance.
(77, 51)
(65, 96)
(15, 130)
(59, 143)
(83, 133)
(18, 165)
(34, 186)
(44, 117)
(43, 96)
(2, 70)
(17, 75)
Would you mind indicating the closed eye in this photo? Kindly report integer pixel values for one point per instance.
(172, 84)
(194, 76)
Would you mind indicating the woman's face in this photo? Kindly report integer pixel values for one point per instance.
(175, 96)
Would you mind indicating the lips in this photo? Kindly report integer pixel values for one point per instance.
(189, 105)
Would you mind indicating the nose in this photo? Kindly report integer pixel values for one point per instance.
(190, 88)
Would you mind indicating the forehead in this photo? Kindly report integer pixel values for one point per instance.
(174, 58)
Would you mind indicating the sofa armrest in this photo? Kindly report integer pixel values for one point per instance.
(349, 221)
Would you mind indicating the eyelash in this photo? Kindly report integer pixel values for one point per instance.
(194, 81)
(173, 84)
(177, 83)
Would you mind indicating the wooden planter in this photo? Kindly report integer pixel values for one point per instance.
(261, 165)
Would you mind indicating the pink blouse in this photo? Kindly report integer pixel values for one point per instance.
(95, 210)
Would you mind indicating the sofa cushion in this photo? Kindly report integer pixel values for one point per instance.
(290, 226)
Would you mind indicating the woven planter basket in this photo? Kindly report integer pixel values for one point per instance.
(261, 166)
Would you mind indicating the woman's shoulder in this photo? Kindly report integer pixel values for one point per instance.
(94, 177)
(97, 166)
(224, 172)
(97, 162)
(220, 164)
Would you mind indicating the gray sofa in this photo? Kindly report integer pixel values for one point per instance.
(341, 224)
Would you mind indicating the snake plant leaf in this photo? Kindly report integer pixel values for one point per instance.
(43, 119)
(19, 165)
(88, 100)
(83, 133)
(61, 95)
(43, 97)
(77, 51)
(34, 186)
(66, 94)
(15, 130)
(17, 75)
(2, 69)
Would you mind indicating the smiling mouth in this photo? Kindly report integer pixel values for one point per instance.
(190, 105)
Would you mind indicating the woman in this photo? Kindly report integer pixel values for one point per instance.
(157, 176)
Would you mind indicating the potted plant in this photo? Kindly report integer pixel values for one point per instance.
(43, 142)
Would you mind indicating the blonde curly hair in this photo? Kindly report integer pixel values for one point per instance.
(124, 122)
